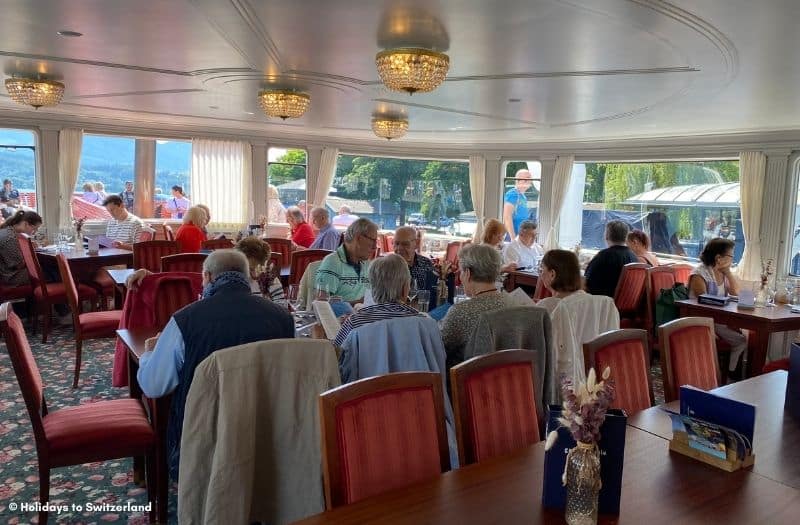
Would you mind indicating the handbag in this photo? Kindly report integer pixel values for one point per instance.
(666, 309)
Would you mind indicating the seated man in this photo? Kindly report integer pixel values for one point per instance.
(345, 271)
(604, 269)
(524, 251)
(391, 283)
(327, 235)
(421, 268)
(228, 315)
(124, 227)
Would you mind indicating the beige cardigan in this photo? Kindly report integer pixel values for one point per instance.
(251, 442)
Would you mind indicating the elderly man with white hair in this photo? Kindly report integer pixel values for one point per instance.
(228, 315)
(345, 271)
(345, 218)
(524, 251)
(327, 235)
(391, 284)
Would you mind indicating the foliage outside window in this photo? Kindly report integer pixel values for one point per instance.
(106, 164)
(286, 170)
(173, 168)
(680, 205)
(392, 192)
(18, 164)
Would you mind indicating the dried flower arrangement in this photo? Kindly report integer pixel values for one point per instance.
(766, 272)
(584, 407)
(78, 224)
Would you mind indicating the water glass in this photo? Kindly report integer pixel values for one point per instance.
(459, 295)
(293, 296)
(423, 300)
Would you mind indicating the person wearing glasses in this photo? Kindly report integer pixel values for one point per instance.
(421, 268)
(345, 272)
(714, 277)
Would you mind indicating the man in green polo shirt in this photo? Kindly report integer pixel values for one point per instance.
(345, 272)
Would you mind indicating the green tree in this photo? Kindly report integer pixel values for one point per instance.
(288, 167)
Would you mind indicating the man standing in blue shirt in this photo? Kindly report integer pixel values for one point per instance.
(127, 196)
(515, 203)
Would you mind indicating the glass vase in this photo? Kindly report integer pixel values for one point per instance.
(582, 477)
(762, 295)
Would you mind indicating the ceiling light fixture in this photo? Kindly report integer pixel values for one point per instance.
(35, 92)
(412, 69)
(283, 103)
(389, 128)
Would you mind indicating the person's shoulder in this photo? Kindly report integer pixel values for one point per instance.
(511, 193)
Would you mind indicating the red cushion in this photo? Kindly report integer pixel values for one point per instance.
(780, 364)
(627, 362)
(502, 411)
(100, 323)
(387, 440)
(630, 289)
(693, 359)
(57, 293)
(96, 431)
(7, 293)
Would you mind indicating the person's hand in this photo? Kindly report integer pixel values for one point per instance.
(150, 342)
(135, 279)
(116, 244)
(510, 267)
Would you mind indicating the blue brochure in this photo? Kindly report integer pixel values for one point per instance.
(719, 410)
(439, 312)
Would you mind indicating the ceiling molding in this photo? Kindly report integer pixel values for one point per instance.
(136, 93)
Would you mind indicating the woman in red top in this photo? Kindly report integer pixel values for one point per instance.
(302, 234)
(190, 235)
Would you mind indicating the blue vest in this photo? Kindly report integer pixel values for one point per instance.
(231, 317)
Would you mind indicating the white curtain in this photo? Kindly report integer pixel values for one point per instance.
(222, 180)
(327, 169)
(477, 187)
(752, 173)
(561, 179)
(70, 142)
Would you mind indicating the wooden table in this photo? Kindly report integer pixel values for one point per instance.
(777, 435)
(658, 487)
(120, 277)
(521, 278)
(763, 321)
(83, 265)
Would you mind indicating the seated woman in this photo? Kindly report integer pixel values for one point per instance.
(639, 243)
(13, 271)
(714, 276)
(302, 235)
(190, 235)
(493, 234)
(577, 316)
(257, 253)
(479, 267)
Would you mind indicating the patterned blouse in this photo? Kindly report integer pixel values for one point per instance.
(461, 318)
(12, 266)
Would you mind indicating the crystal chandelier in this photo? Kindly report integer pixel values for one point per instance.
(282, 103)
(35, 92)
(389, 128)
(412, 69)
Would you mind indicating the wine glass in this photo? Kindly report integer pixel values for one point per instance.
(323, 294)
(293, 296)
(412, 290)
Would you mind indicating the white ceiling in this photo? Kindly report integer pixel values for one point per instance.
(581, 69)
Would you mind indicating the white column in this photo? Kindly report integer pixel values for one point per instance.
(494, 186)
(47, 184)
(259, 183)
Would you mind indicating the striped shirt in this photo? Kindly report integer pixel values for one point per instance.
(126, 231)
(370, 314)
(339, 277)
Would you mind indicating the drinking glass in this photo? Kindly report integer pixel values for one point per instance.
(412, 291)
(293, 296)
(423, 300)
(322, 293)
(459, 295)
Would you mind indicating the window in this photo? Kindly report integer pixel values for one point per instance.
(173, 168)
(794, 253)
(106, 163)
(17, 165)
(680, 205)
(391, 192)
(286, 172)
(521, 198)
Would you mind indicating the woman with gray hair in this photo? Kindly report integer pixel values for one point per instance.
(301, 234)
(479, 268)
(391, 283)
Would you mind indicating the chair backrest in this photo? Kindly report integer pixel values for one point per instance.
(541, 291)
(494, 404)
(169, 234)
(451, 252)
(31, 262)
(630, 290)
(147, 234)
(217, 244)
(283, 247)
(382, 433)
(171, 296)
(148, 254)
(626, 353)
(24, 363)
(689, 355)
(183, 262)
(300, 261)
(386, 242)
(70, 288)
(658, 278)
(682, 273)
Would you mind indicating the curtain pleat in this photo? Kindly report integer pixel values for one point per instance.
(477, 188)
(561, 179)
(70, 142)
(221, 179)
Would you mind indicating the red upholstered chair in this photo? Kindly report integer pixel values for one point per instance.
(148, 254)
(301, 260)
(183, 262)
(682, 272)
(494, 405)
(626, 352)
(146, 234)
(382, 433)
(216, 244)
(283, 247)
(780, 364)
(169, 234)
(658, 278)
(689, 355)
(171, 296)
(451, 253)
(79, 434)
(92, 325)
(11, 293)
(629, 296)
(541, 291)
(47, 294)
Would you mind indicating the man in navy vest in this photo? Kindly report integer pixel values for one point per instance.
(228, 315)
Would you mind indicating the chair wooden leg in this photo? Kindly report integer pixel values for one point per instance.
(48, 312)
(152, 492)
(78, 351)
(44, 492)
